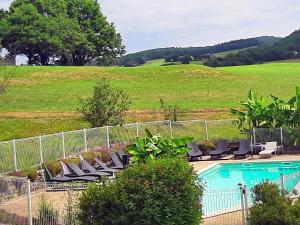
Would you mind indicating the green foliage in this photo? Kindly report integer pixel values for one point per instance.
(107, 106)
(6, 75)
(271, 207)
(173, 54)
(46, 213)
(149, 148)
(164, 192)
(257, 113)
(286, 48)
(170, 111)
(75, 32)
(71, 210)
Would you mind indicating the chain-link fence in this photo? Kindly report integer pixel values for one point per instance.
(25, 153)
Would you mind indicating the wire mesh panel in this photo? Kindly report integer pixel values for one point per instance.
(74, 142)
(6, 157)
(222, 207)
(54, 204)
(52, 147)
(161, 127)
(291, 139)
(27, 153)
(96, 138)
(224, 129)
(263, 135)
(195, 129)
(13, 201)
(121, 136)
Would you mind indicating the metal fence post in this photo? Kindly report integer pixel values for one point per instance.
(171, 129)
(41, 149)
(137, 129)
(29, 203)
(206, 130)
(15, 155)
(107, 135)
(63, 144)
(281, 138)
(282, 184)
(242, 204)
(85, 140)
(246, 202)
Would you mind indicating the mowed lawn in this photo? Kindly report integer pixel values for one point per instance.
(45, 99)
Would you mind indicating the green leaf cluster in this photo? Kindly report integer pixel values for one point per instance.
(272, 207)
(256, 112)
(149, 148)
(164, 192)
(65, 32)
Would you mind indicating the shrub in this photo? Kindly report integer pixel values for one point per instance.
(47, 215)
(164, 192)
(30, 173)
(271, 207)
(107, 106)
(71, 210)
(206, 146)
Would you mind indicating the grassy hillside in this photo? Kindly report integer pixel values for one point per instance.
(44, 99)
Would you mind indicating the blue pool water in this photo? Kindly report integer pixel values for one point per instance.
(228, 176)
(222, 194)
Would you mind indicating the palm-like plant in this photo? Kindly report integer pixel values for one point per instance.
(256, 113)
(152, 146)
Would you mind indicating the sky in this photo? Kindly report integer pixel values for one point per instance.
(146, 24)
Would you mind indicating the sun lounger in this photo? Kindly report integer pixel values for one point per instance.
(63, 178)
(195, 152)
(269, 148)
(117, 163)
(220, 149)
(244, 149)
(78, 172)
(87, 166)
(124, 157)
(103, 166)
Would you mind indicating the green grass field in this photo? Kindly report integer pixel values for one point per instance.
(45, 99)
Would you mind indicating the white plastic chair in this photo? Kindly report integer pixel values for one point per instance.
(269, 148)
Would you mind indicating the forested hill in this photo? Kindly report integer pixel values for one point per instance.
(139, 58)
(286, 48)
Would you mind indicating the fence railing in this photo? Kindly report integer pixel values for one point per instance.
(23, 202)
(28, 152)
(56, 204)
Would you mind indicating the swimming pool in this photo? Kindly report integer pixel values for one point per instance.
(228, 176)
(222, 195)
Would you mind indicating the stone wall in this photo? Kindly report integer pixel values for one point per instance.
(11, 187)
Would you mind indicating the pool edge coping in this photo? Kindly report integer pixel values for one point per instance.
(234, 162)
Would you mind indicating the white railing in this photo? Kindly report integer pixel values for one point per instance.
(24, 153)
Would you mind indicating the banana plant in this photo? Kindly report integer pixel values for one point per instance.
(252, 113)
(152, 146)
(255, 113)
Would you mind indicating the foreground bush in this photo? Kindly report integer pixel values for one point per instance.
(272, 208)
(163, 192)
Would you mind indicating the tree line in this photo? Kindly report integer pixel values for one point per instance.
(286, 48)
(173, 54)
(60, 32)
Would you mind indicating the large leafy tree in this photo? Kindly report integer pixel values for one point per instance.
(70, 32)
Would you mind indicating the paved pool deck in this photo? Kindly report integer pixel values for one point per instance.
(202, 165)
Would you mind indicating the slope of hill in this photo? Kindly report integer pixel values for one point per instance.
(140, 58)
(45, 99)
(286, 48)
